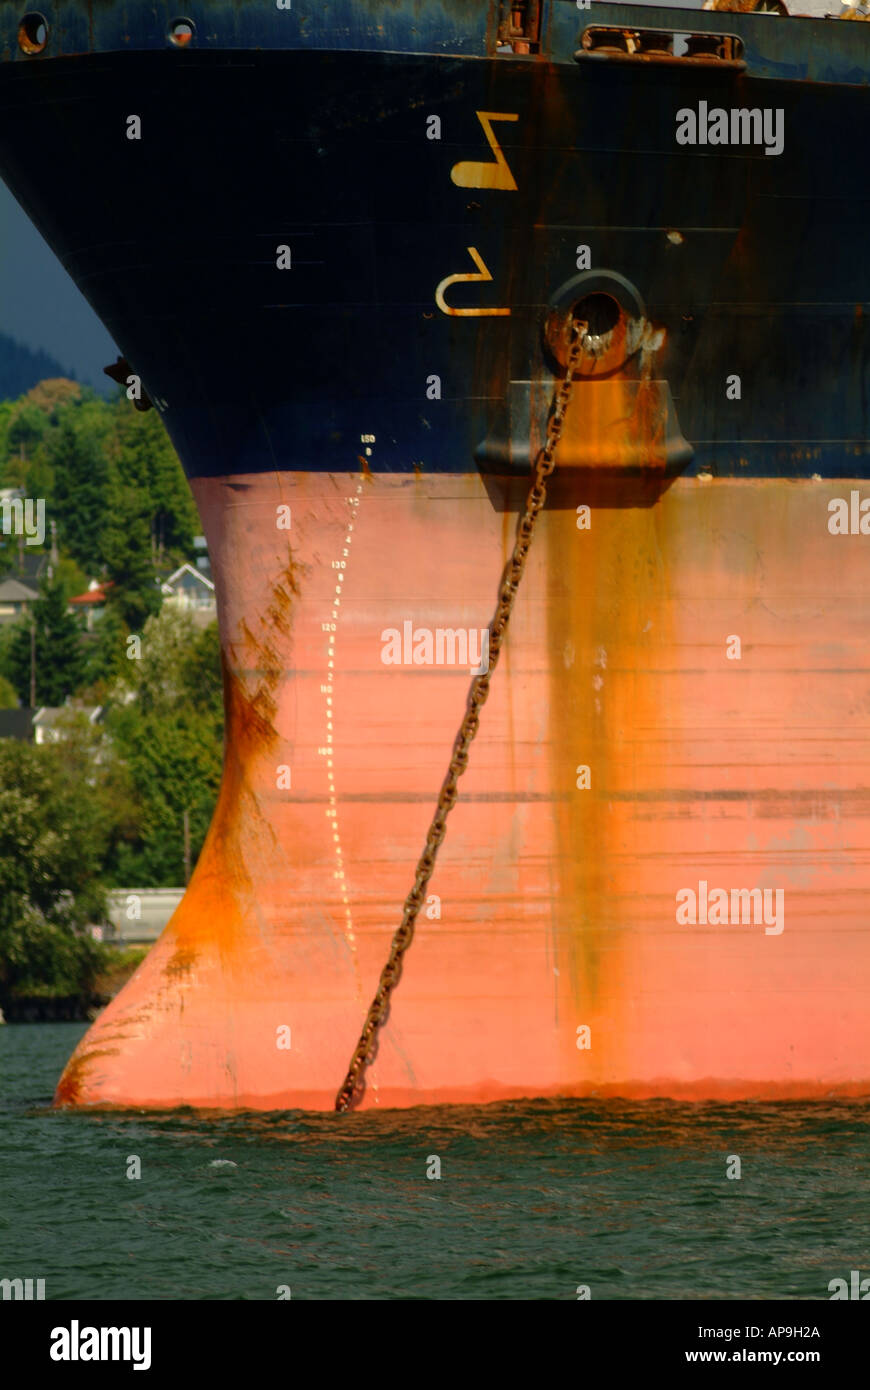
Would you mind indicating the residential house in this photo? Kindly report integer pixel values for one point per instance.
(48, 724)
(92, 603)
(191, 591)
(15, 599)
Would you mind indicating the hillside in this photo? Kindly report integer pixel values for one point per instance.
(21, 368)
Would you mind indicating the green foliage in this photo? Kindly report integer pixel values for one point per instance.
(106, 654)
(57, 650)
(111, 482)
(122, 508)
(105, 806)
(27, 430)
(169, 737)
(71, 577)
(8, 696)
(7, 638)
(175, 766)
(203, 675)
(179, 667)
(144, 459)
(52, 842)
(129, 559)
(42, 959)
(7, 409)
(81, 486)
(27, 426)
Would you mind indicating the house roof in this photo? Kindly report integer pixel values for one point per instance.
(98, 594)
(172, 582)
(16, 723)
(47, 716)
(13, 591)
(29, 566)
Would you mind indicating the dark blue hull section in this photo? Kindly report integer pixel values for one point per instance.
(754, 266)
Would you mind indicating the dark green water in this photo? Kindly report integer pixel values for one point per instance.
(535, 1198)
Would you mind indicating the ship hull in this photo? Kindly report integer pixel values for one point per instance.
(553, 907)
(745, 265)
(352, 334)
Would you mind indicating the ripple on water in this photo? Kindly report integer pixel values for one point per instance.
(535, 1197)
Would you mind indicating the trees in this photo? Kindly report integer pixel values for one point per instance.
(81, 453)
(81, 485)
(202, 675)
(175, 767)
(107, 804)
(165, 678)
(56, 649)
(28, 438)
(52, 841)
(145, 459)
(121, 506)
(106, 654)
(128, 556)
(170, 739)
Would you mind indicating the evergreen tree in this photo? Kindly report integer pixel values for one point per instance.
(128, 557)
(175, 766)
(26, 427)
(106, 652)
(146, 459)
(170, 740)
(7, 411)
(81, 486)
(202, 677)
(53, 839)
(58, 650)
(22, 367)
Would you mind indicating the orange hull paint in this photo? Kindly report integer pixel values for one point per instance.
(558, 905)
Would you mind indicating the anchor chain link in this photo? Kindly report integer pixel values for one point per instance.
(353, 1086)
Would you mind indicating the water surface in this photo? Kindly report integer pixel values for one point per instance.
(535, 1197)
